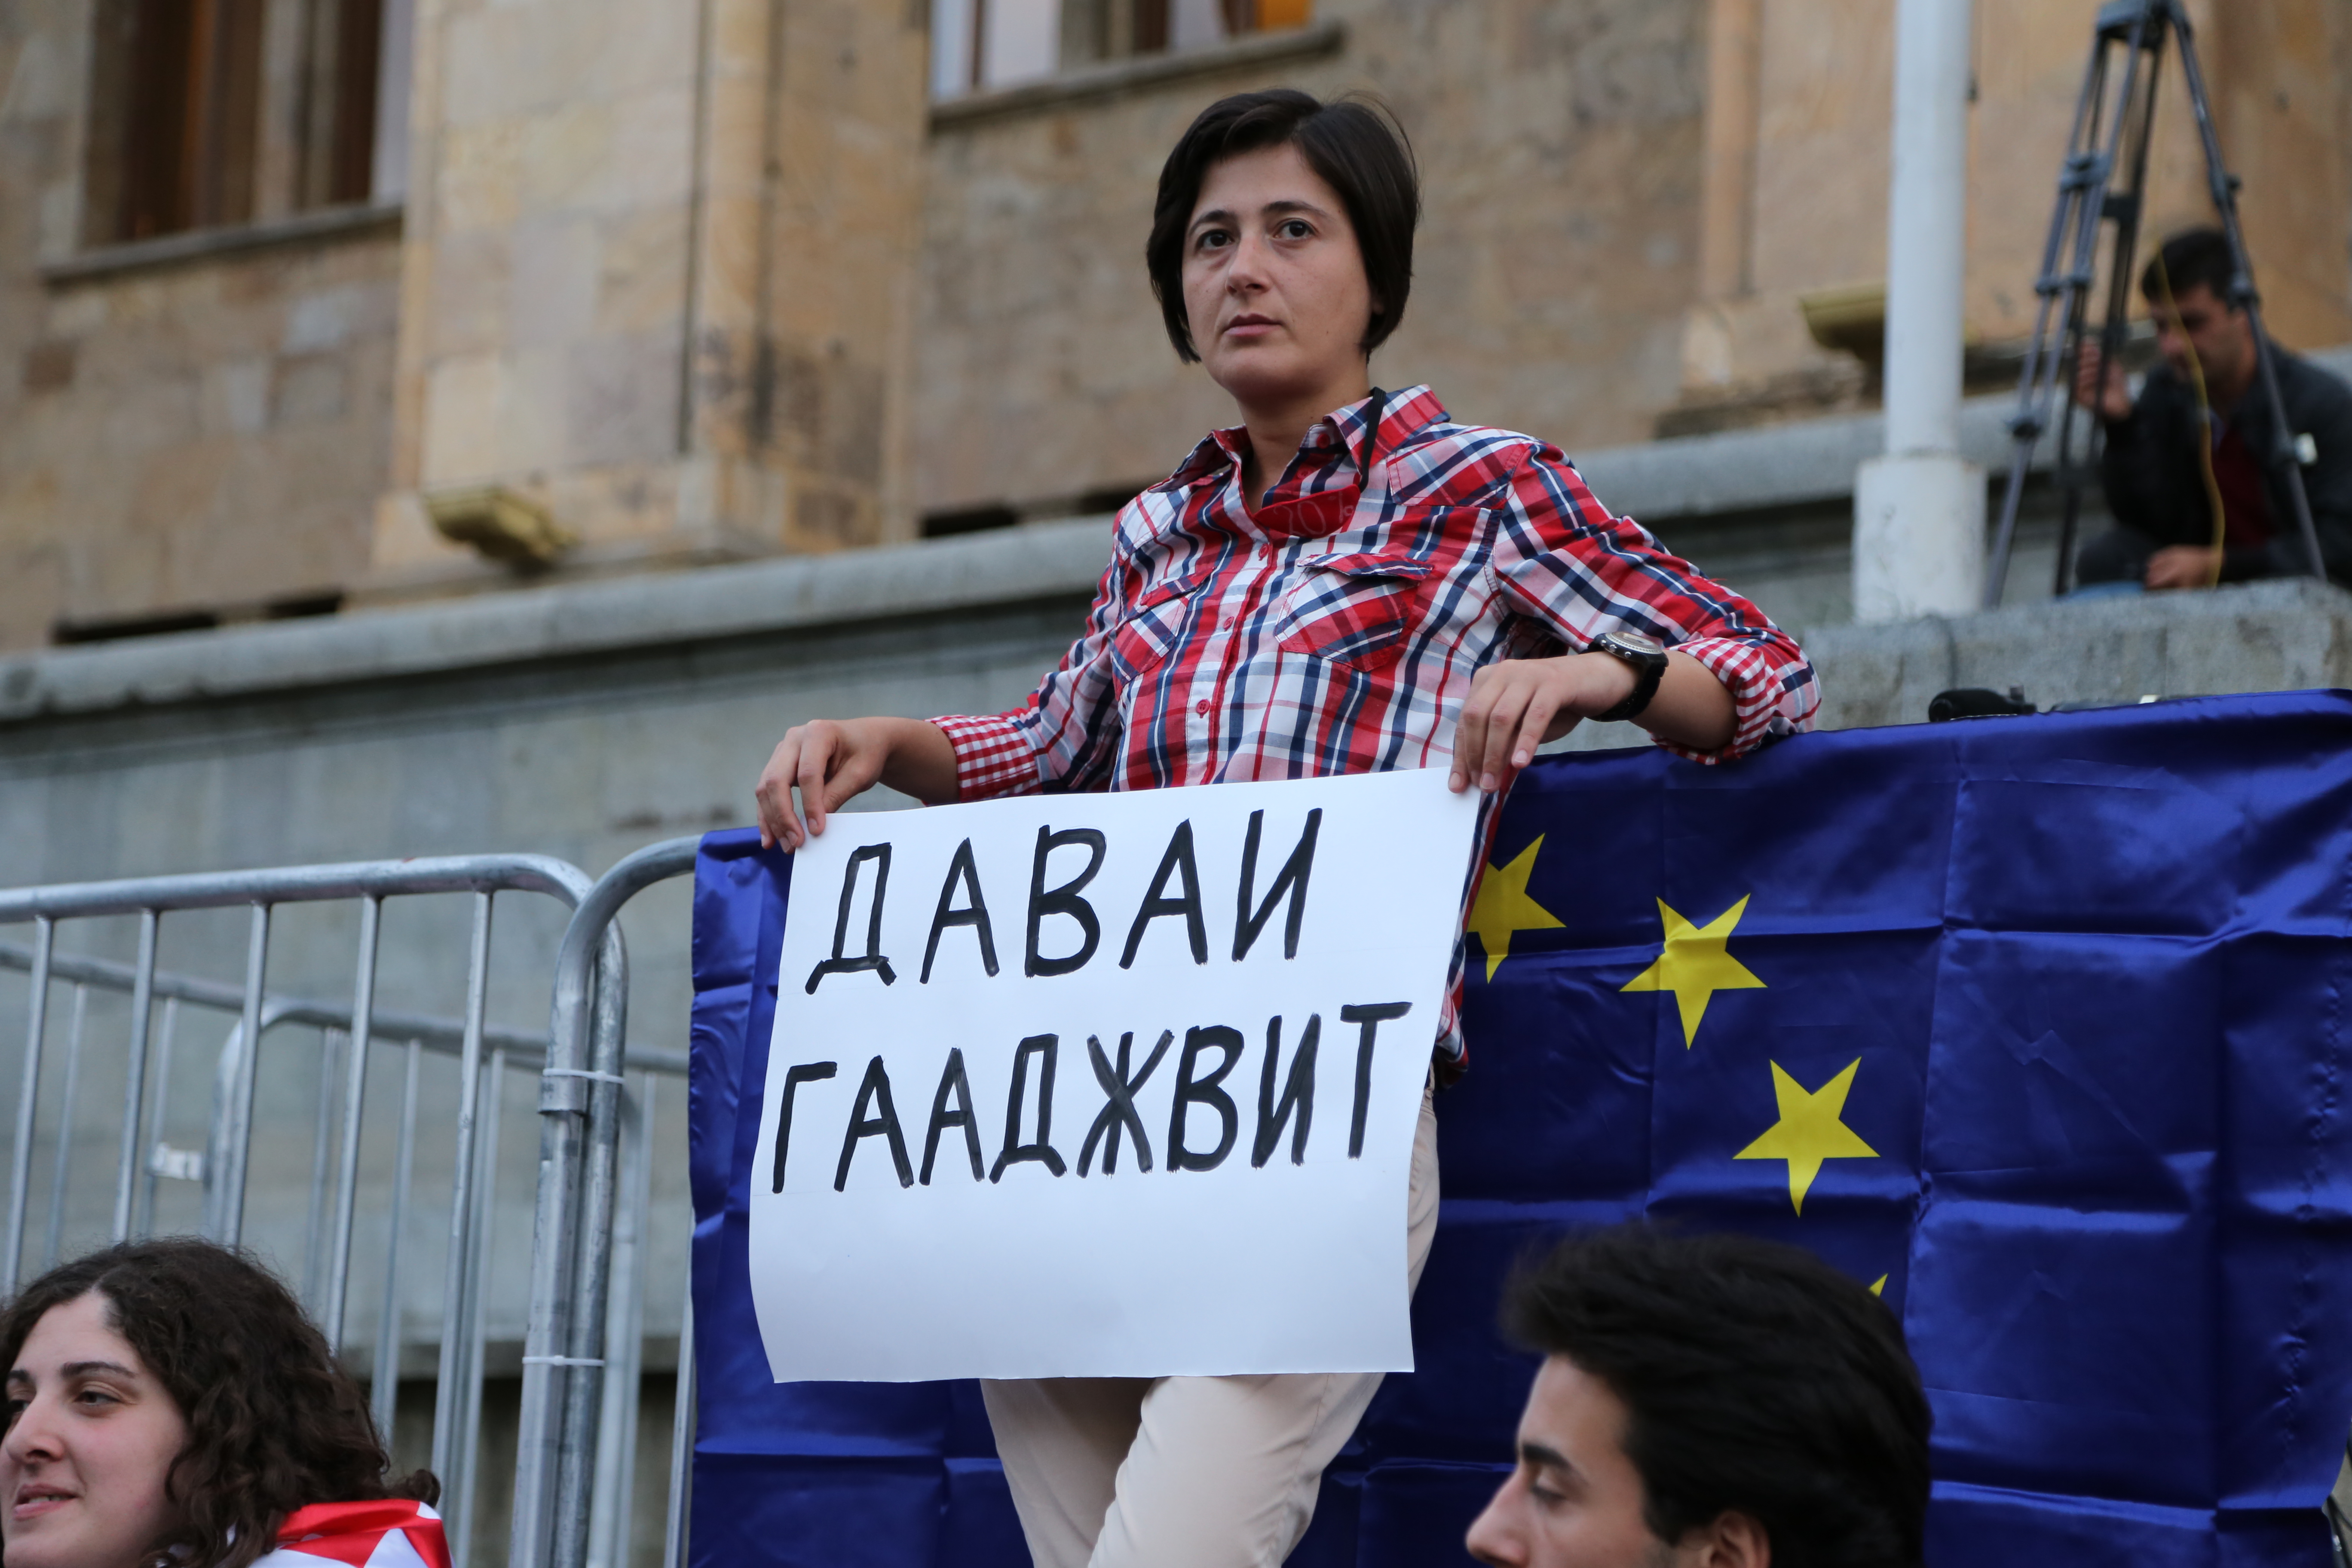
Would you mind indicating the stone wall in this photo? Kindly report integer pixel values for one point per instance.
(203, 435)
(715, 281)
(653, 272)
(182, 427)
(1558, 147)
(655, 280)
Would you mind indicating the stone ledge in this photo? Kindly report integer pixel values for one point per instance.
(1796, 464)
(1777, 466)
(1116, 77)
(205, 244)
(2271, 636)
(1061, 560)
(2289, 635)
(2266, 636)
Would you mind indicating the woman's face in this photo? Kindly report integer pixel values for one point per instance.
(1274, 285)
(91, 1435)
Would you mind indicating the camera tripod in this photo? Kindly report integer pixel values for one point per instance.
(2104, 181)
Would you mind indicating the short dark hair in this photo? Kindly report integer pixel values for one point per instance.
(2194, 257)
(1756, 1378)
(274, 1422)
(1353, 145)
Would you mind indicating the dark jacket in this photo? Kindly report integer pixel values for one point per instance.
(2156, 488)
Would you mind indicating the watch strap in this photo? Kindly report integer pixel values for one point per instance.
(1649, 670)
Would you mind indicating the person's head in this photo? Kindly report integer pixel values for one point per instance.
(2200, 313)
(1281, 247)
(168, 1404)
(1708, 1401)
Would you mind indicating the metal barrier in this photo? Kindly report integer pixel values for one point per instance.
(564, 1362)
(607, 1124)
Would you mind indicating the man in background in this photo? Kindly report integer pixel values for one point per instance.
(2167, 462)
(1708, 1402)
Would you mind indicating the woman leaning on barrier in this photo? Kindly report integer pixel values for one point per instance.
(1346, 580)
(169, 1407)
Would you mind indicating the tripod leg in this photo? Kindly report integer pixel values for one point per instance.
(2064, 278)
(2069, 476)
(2124, 207)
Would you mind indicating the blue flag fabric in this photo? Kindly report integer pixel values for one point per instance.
(2038, 1025)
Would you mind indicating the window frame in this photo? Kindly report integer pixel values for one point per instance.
(211, 117)
(1084, 36)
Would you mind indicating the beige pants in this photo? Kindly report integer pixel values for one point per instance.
(1187, 1472)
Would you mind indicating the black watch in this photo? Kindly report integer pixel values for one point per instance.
(1647, 655)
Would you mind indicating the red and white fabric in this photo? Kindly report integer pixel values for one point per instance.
(392, 1532)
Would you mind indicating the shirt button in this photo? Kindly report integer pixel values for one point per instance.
(1201, 707)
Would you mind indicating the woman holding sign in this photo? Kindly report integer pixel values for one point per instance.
(1346, 580)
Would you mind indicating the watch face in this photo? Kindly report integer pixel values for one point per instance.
(1640, 643)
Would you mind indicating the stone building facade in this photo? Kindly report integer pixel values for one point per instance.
(424, 297)
(478, 314)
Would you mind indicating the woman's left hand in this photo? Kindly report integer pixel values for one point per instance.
(1518, 704)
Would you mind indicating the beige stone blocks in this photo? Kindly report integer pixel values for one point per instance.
(1559, 141)
(700, 278)
(627, 308)
(564, 159)
(641, 263)
(470, 412)
(469, 283)
(475, 178)
(556, 270)
(208, 435)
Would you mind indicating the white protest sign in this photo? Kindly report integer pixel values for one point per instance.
(1104, 1085)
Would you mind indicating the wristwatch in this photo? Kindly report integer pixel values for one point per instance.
(1647, 655)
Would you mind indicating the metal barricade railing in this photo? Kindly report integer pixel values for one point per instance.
(560, 1513)
(594, 1119)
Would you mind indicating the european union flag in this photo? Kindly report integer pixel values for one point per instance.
(2037, 1026)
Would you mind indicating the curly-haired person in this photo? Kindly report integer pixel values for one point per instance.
(169, 1405)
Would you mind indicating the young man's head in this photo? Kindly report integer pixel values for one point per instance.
(1708, 1402)
(2200, 314)
(1281, 245)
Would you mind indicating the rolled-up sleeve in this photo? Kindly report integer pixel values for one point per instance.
(1066, 738)
(1560, 557)
(993, 756)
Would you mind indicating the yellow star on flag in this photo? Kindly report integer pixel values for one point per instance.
(1503, 907)
(1695, 964)
(1808, 1130)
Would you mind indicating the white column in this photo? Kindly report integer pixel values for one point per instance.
(1919, 510)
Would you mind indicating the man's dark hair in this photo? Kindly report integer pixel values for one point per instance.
(2192, 257)
(1354, 146)
(274, 1422)
(1757, 1379)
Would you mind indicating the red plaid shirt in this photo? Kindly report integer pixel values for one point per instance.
(1336, 630)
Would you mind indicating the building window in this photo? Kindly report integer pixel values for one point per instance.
(208, 113)
(977, 44)
(192, 108)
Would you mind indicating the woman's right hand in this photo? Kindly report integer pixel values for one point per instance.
(831, 760)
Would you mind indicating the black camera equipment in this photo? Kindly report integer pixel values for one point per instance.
(1978, 702)
(2103, 183)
